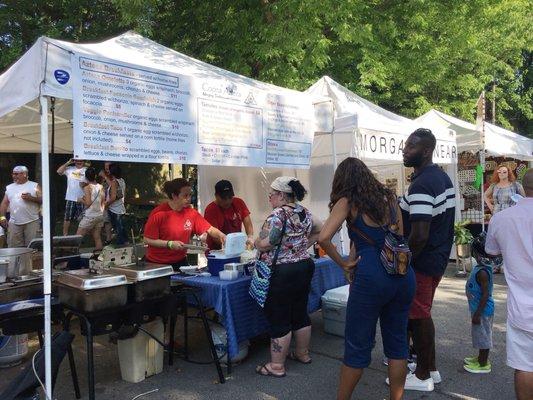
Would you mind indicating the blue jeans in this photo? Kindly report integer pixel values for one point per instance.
(118, 227)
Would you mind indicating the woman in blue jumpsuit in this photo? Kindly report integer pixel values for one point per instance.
(367, 206)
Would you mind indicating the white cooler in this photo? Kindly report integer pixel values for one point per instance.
(334, 310)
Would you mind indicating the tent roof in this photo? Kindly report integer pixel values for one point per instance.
(33, 74)
(498, 141)
(368, 115)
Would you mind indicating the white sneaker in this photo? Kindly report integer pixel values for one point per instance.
(435, 375)
(413, 383)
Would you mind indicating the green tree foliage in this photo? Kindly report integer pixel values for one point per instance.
(407, 56)
(23, 21)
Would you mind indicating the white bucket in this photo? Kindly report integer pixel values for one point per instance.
(141, 356)
(12, 350)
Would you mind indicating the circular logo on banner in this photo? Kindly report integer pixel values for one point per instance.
(61, 76)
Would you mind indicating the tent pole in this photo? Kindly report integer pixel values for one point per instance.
(482, 162)
(334, 150)
(47, 276)
(52, 157)
(456, 186)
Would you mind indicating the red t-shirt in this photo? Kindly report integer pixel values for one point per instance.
(227, 220)
(167, 224)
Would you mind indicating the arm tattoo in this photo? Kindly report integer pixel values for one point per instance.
(263, 234)
(274, 236)
(276, 347)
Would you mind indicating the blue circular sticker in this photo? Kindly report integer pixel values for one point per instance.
(61, 76)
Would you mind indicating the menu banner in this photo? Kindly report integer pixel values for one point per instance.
(126, 113)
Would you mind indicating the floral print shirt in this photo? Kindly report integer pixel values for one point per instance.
(294, 242)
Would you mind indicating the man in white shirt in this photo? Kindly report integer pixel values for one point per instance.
(75, 181)
(510, 234)
(23, 200)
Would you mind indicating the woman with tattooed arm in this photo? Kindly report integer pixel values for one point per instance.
(290, 227)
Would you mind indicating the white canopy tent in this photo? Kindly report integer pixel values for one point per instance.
(498, 141)
(357, 122)
(494, 140)
(43, 72)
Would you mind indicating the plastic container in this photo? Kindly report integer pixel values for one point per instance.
(141, 356)
(235, 244)
(235, 267)
(215, 264)
(334, 310)
(12, 350)
(227, 275)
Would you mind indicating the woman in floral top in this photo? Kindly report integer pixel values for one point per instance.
(290, 227)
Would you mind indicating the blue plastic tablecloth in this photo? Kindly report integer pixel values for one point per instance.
(241, 316)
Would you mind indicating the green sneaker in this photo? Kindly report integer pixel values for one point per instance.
(470, 360)
(478, 369)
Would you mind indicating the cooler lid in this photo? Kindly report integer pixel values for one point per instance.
(339, 294)
(221, 255)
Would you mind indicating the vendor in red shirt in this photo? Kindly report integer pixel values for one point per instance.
(228, 213)
(171, 225)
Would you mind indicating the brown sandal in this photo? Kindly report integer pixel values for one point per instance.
(292, 356)
(260, 368)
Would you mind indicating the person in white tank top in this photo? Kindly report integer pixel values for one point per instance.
(93, 217)
(23, 201)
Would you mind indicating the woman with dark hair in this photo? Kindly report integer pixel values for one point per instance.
(369, 208)
(171, 225)
(499, 195)
(93, 216)
(114, 203)
(285, 236)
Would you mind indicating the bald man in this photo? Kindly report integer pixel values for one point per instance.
(510, 234)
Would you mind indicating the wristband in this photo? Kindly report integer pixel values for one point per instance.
(169, 245)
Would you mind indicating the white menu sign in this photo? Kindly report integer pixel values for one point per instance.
(128, 113)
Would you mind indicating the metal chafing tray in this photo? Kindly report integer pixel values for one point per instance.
(82, 279)
(150, 281)
(20, 290)
(143, 271)
(84, 291)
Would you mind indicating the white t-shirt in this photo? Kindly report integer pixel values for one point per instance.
(74, 177)
(510, 234)
(22, 211)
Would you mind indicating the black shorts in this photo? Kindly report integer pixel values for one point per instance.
(286, 304)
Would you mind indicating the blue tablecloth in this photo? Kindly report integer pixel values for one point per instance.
(241, 316)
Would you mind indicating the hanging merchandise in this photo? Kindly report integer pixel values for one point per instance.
(479, 177)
